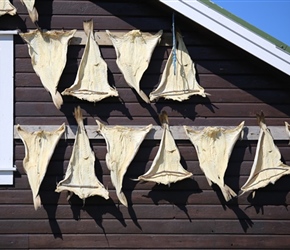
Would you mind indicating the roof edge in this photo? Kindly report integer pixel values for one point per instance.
(235, 30)
(246, 24)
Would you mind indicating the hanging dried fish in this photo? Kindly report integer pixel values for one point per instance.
(29, 4)
(48, 50)
(178, 80)
(122, 146)
(80, 177)
(214, 147)
(7, 8)
(267, 167)
(91, 82)
(166, 167)
(134, 51)
(39, 148)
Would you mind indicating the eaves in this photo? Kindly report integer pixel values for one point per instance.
(235, 30)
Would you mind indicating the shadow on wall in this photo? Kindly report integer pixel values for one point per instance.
(135, 169)
(49, 198)
(44, 14)
(176, 194)
(232, 179)
(275, 195)
(244, 220)
(49, 201)
(21, 21)
(96, 207)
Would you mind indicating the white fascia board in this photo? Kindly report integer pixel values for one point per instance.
(8, 32)
(233, 32)
(7, 106)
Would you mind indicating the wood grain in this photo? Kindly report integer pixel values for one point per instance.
(187, 215)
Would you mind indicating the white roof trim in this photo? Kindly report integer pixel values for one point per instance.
(8, 32)
(233, 32)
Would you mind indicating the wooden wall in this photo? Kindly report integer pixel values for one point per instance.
(187, 215)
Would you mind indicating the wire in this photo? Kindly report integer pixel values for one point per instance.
(174, 43)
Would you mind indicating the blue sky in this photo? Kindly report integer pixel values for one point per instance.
(271, 16)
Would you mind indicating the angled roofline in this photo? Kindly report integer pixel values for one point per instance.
(235, 30)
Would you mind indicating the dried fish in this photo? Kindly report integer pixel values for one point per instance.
(122, 146)
(166, 167)
(7, 8)
(29, 4)
(80, 177)
(267, 167)
(134, 51)
(214, 147)
(39, 148)
(91, 82)
(48, 50)
(178, 80)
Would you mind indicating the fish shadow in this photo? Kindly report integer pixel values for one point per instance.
(176, 194)
(233, 204)
(232, 176)
(45, 13)
(271, 195)
(49, 200)
(188, 108)
(96, 207)
(135, 169)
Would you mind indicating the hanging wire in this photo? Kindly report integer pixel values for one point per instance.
(174, 43)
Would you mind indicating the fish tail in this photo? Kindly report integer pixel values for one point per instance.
(144, 96)
(37, 202)
(228, 193)
(57, 99)
(33, 15)
(122, 198)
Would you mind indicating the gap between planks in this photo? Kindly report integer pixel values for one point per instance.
(249, 132)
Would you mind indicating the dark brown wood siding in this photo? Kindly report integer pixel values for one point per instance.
(187, 215)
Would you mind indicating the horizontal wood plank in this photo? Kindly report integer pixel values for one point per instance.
(32, 94)
(197, 52)
(174, 121)
(162, 241)
(236, 167)
(195, 183)
(149, 211)
(127, 227)
(103, 22)
(13, 241)
(149, 148)
(221, 67)
(90, 8)
(178, 132)
(229, 110)
(155, 196)
(242, 82)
